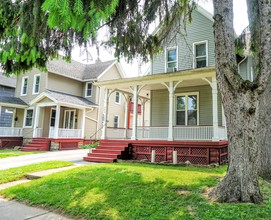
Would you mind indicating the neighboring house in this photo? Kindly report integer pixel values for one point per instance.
(65, 106)
(10, 128)
(186, 113)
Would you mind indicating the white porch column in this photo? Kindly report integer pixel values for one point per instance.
(83, 122)
(36, 122)
(135, 97)
(126, 115)
(57, 121)
(170, 113)
(104, 130)
(215, 112)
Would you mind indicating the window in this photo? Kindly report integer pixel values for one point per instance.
(88, 89)
(116, 121)
(117, 98)
(36, 85)
(24, 85)
(28, 118)
(171, 59)
(53, 117)
(200, 53)
(187, 109)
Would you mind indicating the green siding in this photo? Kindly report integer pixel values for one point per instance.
(200, 29)
(160, 105)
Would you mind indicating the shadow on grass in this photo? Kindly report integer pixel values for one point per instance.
(131, 192)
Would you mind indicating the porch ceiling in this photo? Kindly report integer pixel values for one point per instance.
(154, 82)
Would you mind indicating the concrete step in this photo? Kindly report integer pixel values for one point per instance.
(100, 159)
(37, 145)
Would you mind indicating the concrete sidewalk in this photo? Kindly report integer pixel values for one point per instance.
(11, 210)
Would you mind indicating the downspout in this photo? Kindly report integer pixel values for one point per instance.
(99, 113)
(238, 65)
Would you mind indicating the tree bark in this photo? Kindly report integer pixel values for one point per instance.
(242, 115)
(264, 133)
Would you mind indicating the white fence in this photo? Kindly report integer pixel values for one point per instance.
(11, 132)
(118, 133)
(65, 133)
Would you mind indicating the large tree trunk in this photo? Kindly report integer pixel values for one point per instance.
(242, 115)
(264, 133)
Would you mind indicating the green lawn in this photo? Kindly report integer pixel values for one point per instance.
(14, 153)
(136, 191)
(17, 173)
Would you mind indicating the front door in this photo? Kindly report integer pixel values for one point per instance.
(69, 119)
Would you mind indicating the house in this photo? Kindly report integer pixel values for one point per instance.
(186, 114)
(64, 107)
(10, 129)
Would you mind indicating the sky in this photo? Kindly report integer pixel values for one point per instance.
(131, 70)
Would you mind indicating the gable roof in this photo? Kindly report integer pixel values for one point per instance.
(64, 98)
(79, 71)
(12, 101)
(7, 81)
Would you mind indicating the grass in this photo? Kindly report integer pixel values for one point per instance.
(17, 173)
(136, 191)
(13, 153)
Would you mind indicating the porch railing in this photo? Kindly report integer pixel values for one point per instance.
(65, 133)
(38, 132)
(181, 133)
(152, 133)
(222, 133)
(193, 133)
(11, 132)
(119, 133)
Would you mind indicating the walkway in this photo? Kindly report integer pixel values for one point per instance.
(75, 156)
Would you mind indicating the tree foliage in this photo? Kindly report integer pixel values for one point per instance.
(33, 31)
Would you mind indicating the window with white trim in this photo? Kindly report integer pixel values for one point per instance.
(116, 121)
(117, 97)
(200, 54)
(24, 85)
(171, 58)
(36, 84)
(88, 89)
(28, 118)
(187, 109)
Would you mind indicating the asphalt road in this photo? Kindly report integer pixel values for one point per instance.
(75, 156)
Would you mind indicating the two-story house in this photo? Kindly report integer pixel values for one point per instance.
(186, 114)
(64, 107)
(10, 128)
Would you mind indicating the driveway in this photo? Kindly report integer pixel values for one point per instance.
(75, 156)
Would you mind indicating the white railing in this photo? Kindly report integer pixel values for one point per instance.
(65, 133)
(11, 132)
(222, 133)
(152, 133)
(118, 133)
(193, 133)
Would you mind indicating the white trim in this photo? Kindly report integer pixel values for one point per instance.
(13, 105)
(121, 70)
(166, 57)
(194, 52)
(40, 97)
(34, 84)
(25, 112)
(86, 89)
(106, 70)
(22, 85)
(205, 13)
(64, 119)
(117, 122)
(116, 97)
(186, 94)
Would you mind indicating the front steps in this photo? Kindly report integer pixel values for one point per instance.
(108, 152)
(37, 144)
